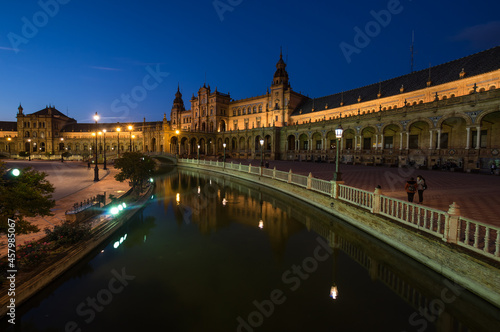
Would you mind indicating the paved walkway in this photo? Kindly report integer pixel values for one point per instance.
(86, 189)
(478, 195)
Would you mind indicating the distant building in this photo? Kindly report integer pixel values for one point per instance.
(446, 114)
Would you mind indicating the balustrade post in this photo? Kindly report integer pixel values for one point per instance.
(377, 200)
(249, 168)
(290, 176)
(309, 181)
(274, 172)
(239, 167)
(451, 224)
(336, 188)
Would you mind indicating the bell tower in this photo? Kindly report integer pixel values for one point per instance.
(280, 94)
(177, 109)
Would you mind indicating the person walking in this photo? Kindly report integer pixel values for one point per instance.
(411, 189)
(421, 186)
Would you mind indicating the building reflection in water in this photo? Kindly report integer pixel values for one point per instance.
(212, 203)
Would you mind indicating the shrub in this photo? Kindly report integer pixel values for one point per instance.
(67, 233)
(32, 253)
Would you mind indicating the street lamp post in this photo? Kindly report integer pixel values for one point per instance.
(29, 150)
(261, 153)
(96, 169)
(178, 150)
(224, 145)
(338, 134)
(130, 145)
(8, 140)
(118, 131)
(62, 150)
(198, 153)
(133, 137)
(104, 140)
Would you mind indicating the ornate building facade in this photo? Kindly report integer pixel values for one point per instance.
(445, 115)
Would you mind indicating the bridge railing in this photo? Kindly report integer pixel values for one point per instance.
(448, 226)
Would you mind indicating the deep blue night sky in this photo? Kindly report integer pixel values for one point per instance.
(84, 56)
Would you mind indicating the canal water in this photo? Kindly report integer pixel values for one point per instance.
(211, 253)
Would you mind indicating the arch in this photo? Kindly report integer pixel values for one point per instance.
(303, 142)
(242, 143)
(203, 126)
(492, 87)
(426, 120)
(331, 140)
(491, 124)
(268, 143)
(193, 146)
(222, 125)
(291, 142)
(184, 146)
(317, 141)
(390, 136)
(466, 118)
(417, 132)
(42, 147)
(153, 144)
(202, 144)
(452, 132)
(27, 134)
(211, 127)
(234, 144)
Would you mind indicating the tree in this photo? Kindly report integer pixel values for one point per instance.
(136, 167)
(27, 195)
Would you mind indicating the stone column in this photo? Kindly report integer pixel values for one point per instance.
(439, 139)
(401, 141)
(467, 145)
(478, 138)
(407, 140)
(431, 132)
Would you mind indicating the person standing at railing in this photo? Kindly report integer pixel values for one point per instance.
(411, 189)
(421, 186)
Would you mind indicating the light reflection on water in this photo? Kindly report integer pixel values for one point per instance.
(213, 254)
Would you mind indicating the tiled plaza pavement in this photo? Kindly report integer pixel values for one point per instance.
(106, 184)
(478, 195)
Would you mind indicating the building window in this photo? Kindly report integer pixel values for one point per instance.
(306, 145)
(367, 143)
(333, 144)
(388, 142)
(444, 141)
(234, 112)
(255, 109)
(239, 112)
(348, 143)
(413, 139)
(318, 145)
(260, 109)
(482, 141)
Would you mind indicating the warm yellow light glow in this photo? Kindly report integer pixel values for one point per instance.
(177, 132)
(178, 198)
(104, 130)
(118, 129)
(62, 139)
(96, 117)
(9, 139)
(133, 136)
(93, 134)
(261, 224)
(334, 292)
(130, 127)
(224, 201)
(100, 133)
